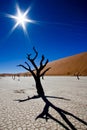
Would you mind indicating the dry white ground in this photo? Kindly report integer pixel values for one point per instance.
(66, 93)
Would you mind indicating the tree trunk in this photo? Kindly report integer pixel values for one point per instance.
(39, 87)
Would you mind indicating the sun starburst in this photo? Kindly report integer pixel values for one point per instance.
(21, 19)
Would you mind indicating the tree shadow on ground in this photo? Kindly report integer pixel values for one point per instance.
(36, 97)
(46, 115)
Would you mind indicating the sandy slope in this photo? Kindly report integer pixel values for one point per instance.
(69, 65)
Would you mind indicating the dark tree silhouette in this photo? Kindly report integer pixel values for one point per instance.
(77, 75)
(38, 72)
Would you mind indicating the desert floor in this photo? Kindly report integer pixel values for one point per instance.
(66, 93)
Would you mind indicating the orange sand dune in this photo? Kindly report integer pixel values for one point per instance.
(69, 66)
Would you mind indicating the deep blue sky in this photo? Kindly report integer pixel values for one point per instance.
(61, 31)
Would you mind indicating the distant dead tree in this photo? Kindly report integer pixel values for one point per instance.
(77, 75)
(38, 72)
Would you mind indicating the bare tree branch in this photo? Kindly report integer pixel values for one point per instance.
(43, 73)
(41, 63)
(42, 60)
(29, 69)
(32, 59)
(28, 55)
(46, 62)
(23, 67)
(27, 65)
(36, 53)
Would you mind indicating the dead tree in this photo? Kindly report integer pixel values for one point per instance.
(38, 72)
(77, 75)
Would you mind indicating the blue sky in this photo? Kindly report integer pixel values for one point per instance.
(60, 31)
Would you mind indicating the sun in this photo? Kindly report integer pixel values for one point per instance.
(21, 19)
